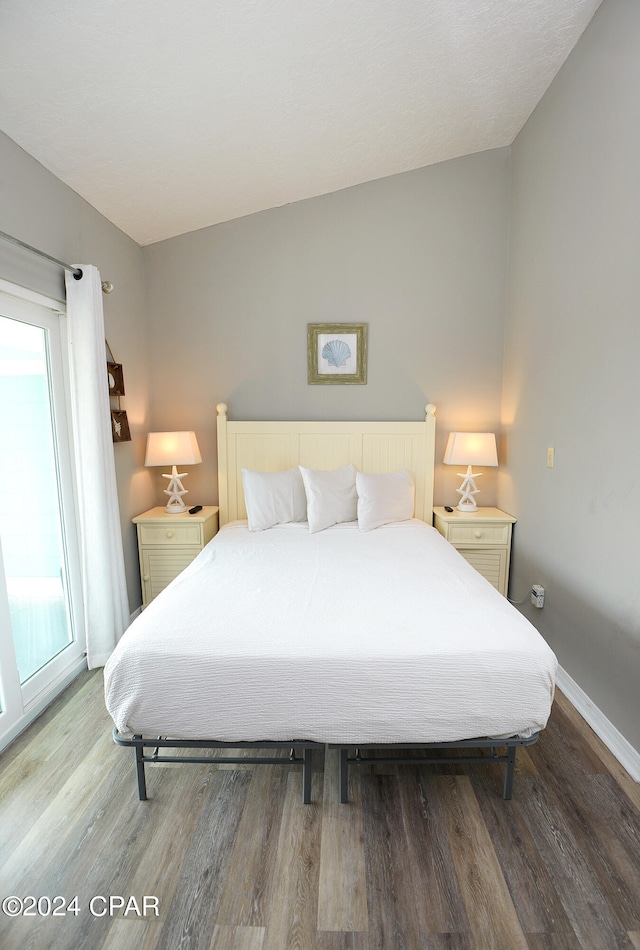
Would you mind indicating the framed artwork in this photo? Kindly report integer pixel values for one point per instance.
(337, 353)
(120, 431)
(115, 377)
(120, 426)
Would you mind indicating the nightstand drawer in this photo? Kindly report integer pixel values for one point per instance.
(170, 534)
(478, 533)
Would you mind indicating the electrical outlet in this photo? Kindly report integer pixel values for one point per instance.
(537, 595)
(550, 456)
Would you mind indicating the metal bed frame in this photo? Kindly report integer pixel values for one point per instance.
(352, 755)
(349, 755)
(139, 744)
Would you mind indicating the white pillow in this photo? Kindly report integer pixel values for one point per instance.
(384, 498)
(273, 498)
(331, 496)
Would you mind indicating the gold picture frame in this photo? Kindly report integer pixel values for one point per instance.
(337, 354)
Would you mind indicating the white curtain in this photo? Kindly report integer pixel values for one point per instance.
(106, 607)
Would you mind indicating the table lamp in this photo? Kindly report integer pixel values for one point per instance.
(470, 448)
(173, 448)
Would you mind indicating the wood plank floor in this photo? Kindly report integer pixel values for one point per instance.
(228, 858)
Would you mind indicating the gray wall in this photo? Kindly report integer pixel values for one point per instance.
(38, 209)
(420, 257)
(571, 364)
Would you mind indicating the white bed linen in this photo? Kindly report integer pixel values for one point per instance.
(339, 636)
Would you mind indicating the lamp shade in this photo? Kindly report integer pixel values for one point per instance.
(172, 448)
(471, 448)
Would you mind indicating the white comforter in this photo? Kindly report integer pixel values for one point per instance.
(339, 636)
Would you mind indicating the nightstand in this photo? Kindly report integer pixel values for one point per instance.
(483, 537)
(168, 543)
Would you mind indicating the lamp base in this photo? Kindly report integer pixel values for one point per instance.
(175, 490)
(467, 490)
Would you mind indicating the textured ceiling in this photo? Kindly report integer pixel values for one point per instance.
(172, 115)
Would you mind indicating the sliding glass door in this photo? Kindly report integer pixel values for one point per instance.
(41, 639)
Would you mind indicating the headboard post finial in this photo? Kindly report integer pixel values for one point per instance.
(221, 408)
(430, 409)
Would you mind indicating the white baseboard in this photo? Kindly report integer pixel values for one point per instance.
(627, 756)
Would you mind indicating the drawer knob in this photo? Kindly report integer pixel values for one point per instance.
(169, 534)
(146, 577)
(478, 533)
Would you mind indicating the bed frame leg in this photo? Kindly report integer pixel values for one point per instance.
(142, 784)
(344, 776)
(306, 775)
(508, 778)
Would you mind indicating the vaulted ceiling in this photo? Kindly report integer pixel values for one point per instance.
(172, 115)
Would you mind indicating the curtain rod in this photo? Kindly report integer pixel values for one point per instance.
(77, 273)
(107, 286)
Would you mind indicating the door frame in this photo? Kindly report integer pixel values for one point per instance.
(20, 705)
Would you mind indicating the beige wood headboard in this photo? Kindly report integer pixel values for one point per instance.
(277, 446)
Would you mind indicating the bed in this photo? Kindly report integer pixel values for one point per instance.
(370, 635)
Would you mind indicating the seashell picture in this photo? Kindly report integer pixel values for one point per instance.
(337, 352)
